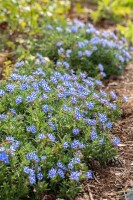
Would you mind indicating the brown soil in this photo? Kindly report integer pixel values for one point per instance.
(112, 183)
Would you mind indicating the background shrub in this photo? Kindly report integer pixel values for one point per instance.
(84, 48)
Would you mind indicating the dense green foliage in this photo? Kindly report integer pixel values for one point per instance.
(52, 124)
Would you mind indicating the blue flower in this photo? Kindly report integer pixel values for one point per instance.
(81, 44)
(66, 64)
(31, 129)
(52, 173)
(41, 136)
(35, 86)
(75, 160)
(75, 176)
(59, 63)
(2, 92)
(94, 135)
(74, 100)
(45, 108)
(89, 174)
(101, 68)
(46, 87)
(26, 169)
(18, 100)
(74, 29)
(70, 165)
(4, 157)
(80, 53)
(78, 114)
(24, 86)
(116, 141)
(10, 138)
(40, 176)
(109, 125)
(88, 53)
(33, 156)
(59, 29)
(53, 80)
(60, 51)
(58, 44)
(101, 141)
(43, 157)
(2, 149)
(68, 52)
(10, 87)
(102, 117)
(92, 122)
(32, 179)
(19, 64)
(44, 96)
(65, 145)
(125, 99)
(51, 137)
(112, 105)
(103, 74)
(113, 95)
(76, 131)
(15, 144)
(32, 97)
(3, 116)
(90, 105)
(52, 125)
(75, 144)
(103, 93)
(49, 26)
(61, 173)
(60, 165)
(14, 77)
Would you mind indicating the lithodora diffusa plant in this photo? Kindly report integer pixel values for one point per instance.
(84, 48)
(52, 123)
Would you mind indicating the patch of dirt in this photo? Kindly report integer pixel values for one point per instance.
(112, 183)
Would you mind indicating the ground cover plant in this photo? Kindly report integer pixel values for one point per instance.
(53, 123)
(84, 48)
(55, 119)
(77, 46)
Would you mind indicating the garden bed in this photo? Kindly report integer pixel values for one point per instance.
(65, 115)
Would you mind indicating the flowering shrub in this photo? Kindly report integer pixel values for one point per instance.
(83, 47)
(52, 123)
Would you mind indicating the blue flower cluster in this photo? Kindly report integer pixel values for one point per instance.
(97, 52)
(54, 120)
(4, 157)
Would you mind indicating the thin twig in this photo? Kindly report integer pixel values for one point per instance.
(90, 194)
(96, 179)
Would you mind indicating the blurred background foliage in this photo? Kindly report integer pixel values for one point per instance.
(30, 15)
(22, 21)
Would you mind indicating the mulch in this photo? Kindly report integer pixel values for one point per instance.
(115, 182)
